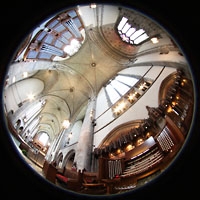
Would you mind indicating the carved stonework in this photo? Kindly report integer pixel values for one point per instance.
(154, 113)
(140, 22)
(115, 41)
(35, 45)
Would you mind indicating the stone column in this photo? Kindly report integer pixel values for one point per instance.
(83, 156)
(55, 146)
(50, 153)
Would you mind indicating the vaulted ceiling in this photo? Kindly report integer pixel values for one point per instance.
(69, 83)
(68, 87)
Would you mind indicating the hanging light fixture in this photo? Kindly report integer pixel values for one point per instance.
(72, 48)
(25, 74)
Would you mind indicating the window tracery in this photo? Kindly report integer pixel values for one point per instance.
(43, 138)
(124, 90)
(117, 87)
(130, 34)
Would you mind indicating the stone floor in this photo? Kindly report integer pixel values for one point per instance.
(28, 161)
(33, 165)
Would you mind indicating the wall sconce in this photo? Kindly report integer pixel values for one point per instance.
(120, 107)
(129, 147)
(169, 109)
(118, 151)
(91, 114)
(148, 135)
(140, 141)
(25, 74)
(31, 97)
(66, 124)
(141, 87)
(154, 40)
(93, 5)
(174, 103)
(70, 135)
(131, 98)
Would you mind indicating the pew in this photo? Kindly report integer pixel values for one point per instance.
(91, 183)
(49, 171)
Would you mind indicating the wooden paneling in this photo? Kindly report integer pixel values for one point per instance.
(50, 172)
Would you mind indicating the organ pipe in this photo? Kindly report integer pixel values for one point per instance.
(114, 168)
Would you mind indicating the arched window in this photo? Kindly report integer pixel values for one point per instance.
(130, 34)
(61, 37)
(43, 138)
(118, 86)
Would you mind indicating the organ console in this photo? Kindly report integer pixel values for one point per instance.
(154, 155)
(129, 168)
(143, 163)
(122, 169)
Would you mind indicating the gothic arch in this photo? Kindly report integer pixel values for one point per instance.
(67, 158)
(59, 159)
(118, 131)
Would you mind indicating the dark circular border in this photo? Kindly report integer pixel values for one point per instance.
(18, 18)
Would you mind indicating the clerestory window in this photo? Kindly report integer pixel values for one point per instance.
(130, 34)
(43, 138)
(117, 87)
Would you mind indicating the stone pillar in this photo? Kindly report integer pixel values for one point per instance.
(83, 156)
(48, 156)
(55, 146)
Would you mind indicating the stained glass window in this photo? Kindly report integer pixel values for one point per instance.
(60, 38)
(129, 34)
